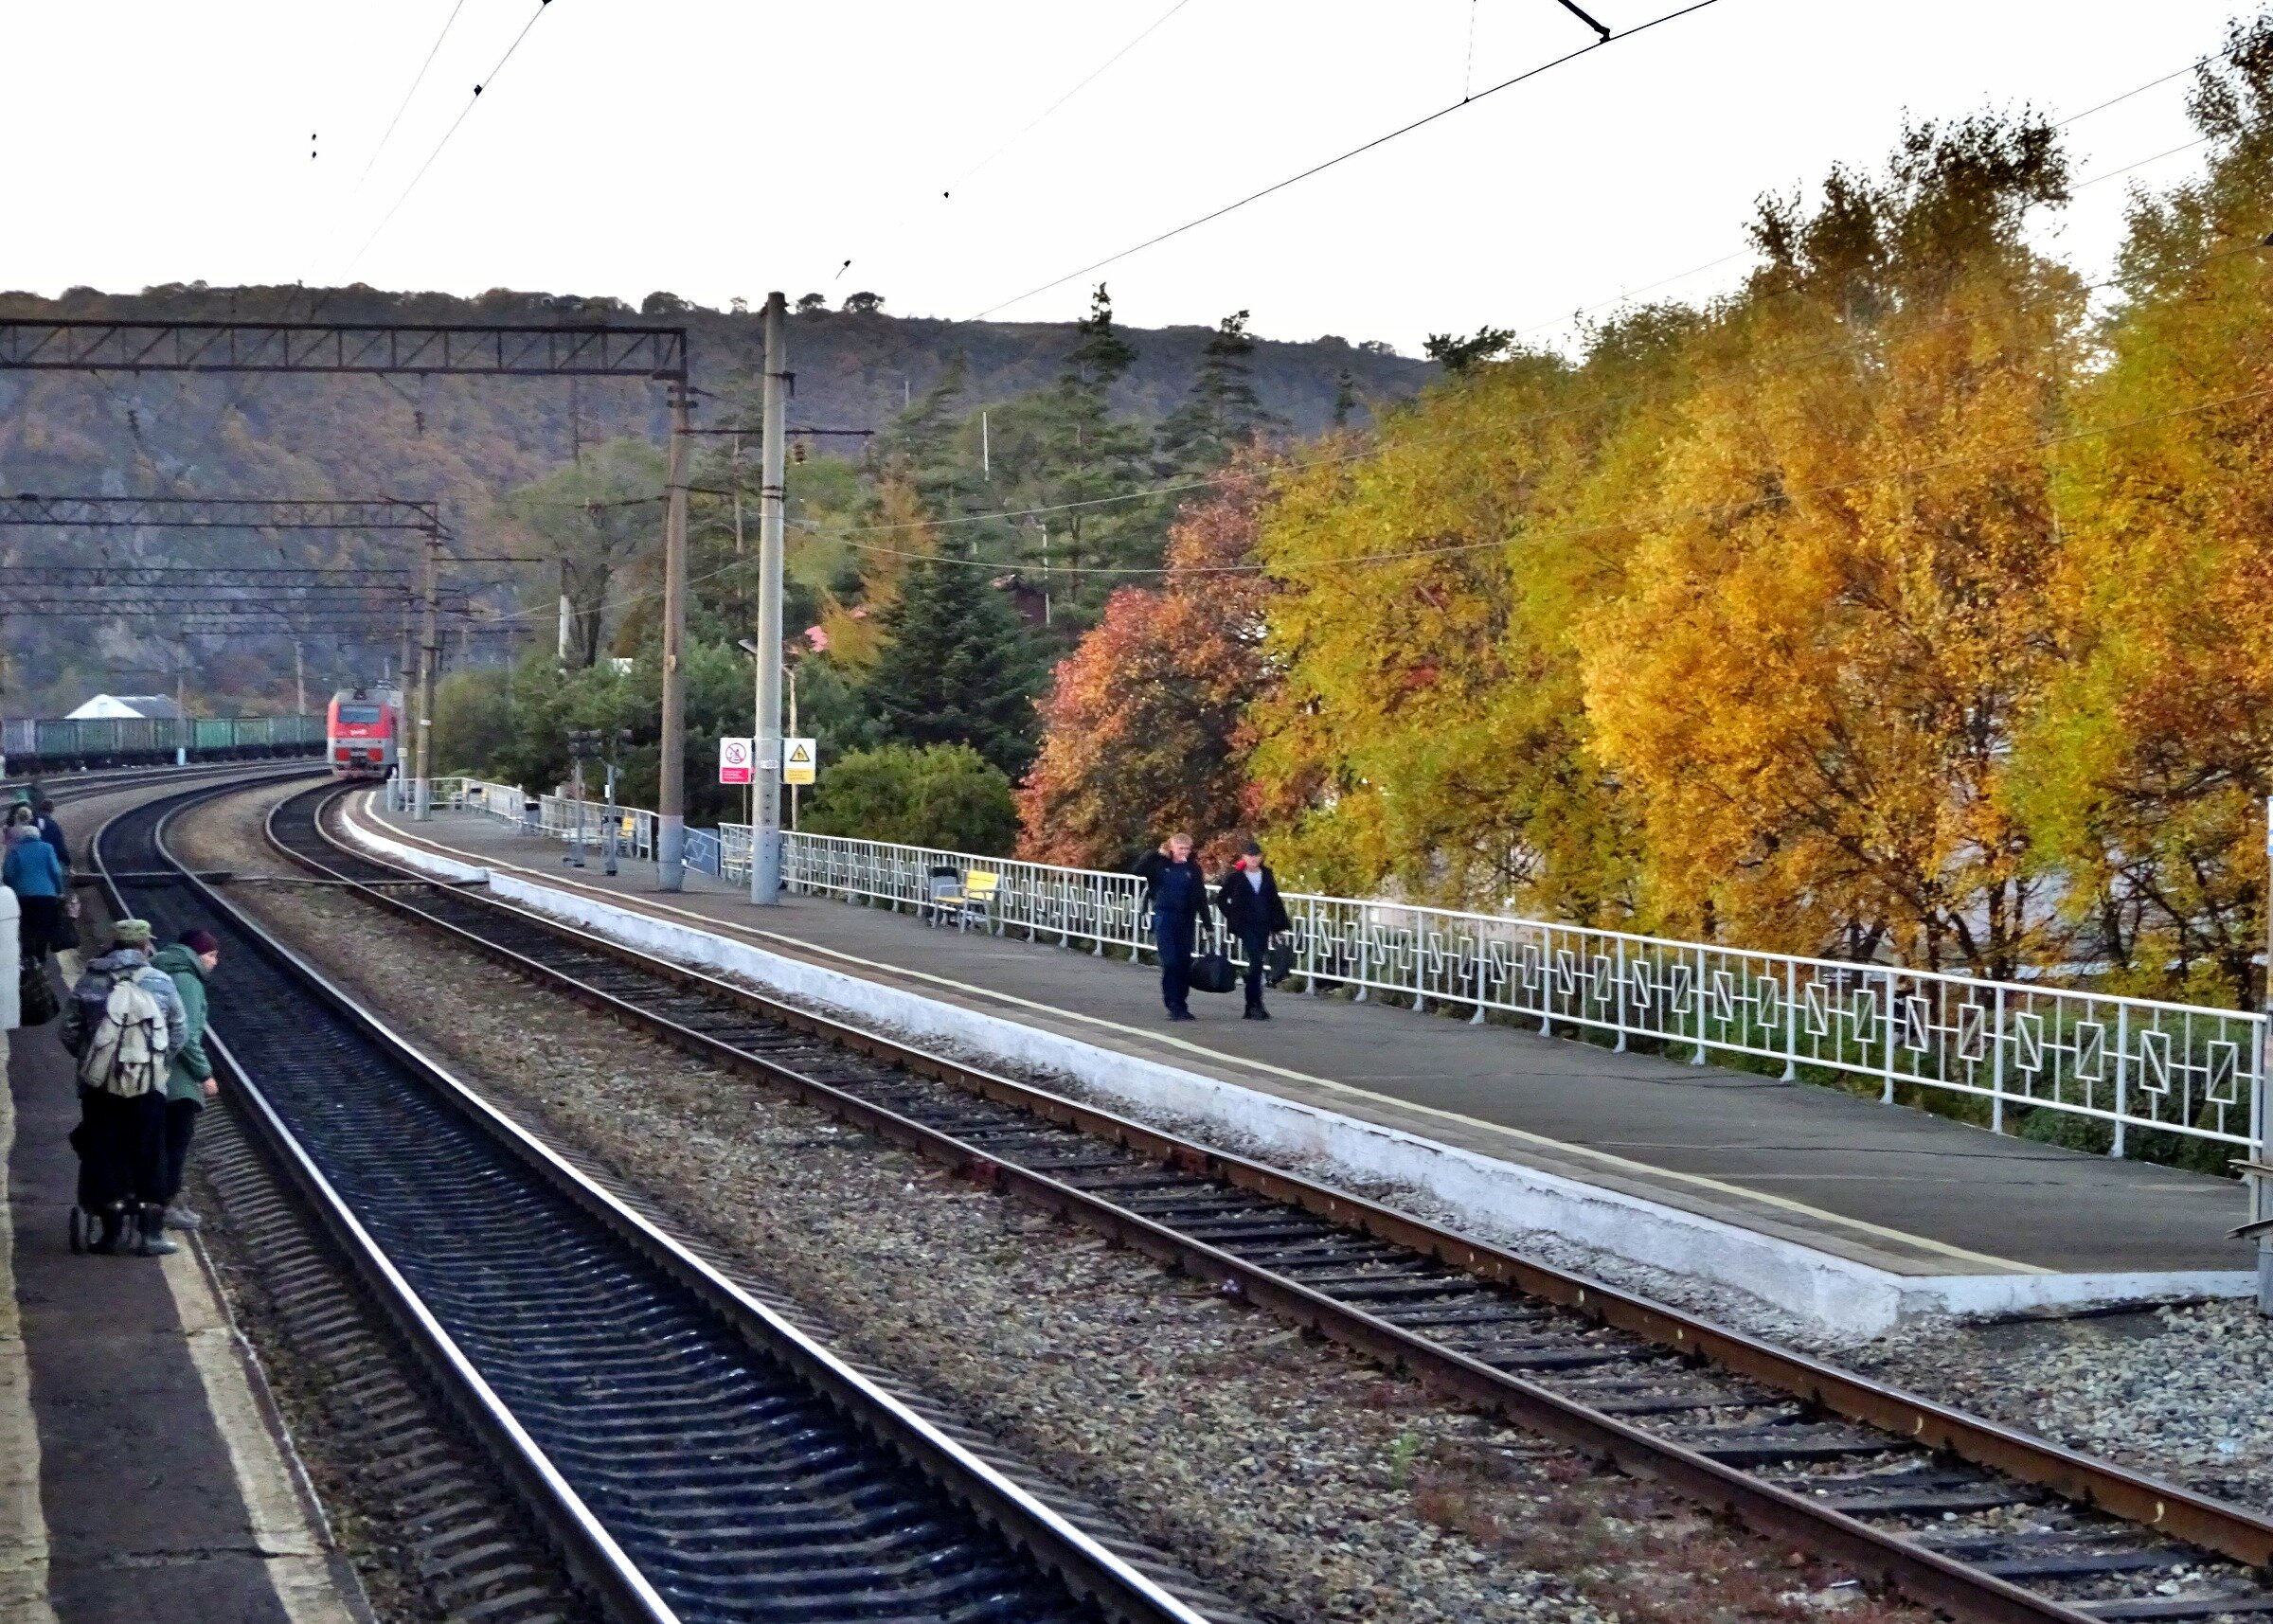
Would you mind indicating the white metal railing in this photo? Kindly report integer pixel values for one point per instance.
(2135, 1063)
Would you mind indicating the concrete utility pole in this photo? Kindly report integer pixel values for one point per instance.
(430, 655)
(671, 800)
(765, 818)
(565, 613)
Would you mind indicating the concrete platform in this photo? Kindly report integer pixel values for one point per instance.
(141, 1475)
(1844, 1211)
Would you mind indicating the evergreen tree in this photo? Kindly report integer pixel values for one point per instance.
(1345, 399)
(959, 668)
(1223, 411)
(1093, 458)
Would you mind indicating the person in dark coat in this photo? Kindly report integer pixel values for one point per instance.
(1147, 868)
(1248, 895)
(1179, 899)
(52, 831)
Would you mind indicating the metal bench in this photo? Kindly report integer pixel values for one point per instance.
(966, 897)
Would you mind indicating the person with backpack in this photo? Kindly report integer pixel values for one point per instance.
(125, 1023)
(189, 1077)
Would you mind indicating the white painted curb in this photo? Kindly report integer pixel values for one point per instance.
(1836, 1294)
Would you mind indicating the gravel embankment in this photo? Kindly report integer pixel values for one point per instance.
(1299, 1480)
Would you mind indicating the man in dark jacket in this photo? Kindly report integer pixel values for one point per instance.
(189, 1075)
(1179, 898)
(1248, 896)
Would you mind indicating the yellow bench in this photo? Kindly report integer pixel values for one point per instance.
(968, 897)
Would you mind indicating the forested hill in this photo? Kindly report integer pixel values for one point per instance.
(853, 370)
(468, 442)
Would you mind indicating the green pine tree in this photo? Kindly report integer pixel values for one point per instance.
(959, 668)
(1222, 413)
(1094, 459)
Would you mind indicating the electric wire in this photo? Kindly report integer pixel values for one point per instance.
(1344, 158)
(417, 80)
(472, 101)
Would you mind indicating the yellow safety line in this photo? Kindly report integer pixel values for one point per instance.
(1645, 1169)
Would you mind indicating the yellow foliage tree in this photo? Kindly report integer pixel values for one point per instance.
(2145, 775)
(1836, 622)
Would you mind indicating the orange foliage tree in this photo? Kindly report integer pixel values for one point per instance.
(1143, 729)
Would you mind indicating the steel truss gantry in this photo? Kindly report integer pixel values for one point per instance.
(441, 349)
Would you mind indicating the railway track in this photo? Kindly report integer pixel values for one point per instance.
(1958, 1512)
(692, 1454)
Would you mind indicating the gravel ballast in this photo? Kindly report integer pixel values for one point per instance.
(1294, 1477)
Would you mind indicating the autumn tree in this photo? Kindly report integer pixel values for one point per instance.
(1835, 623)
(1429, 735)
(2145, 775)
(1143, 729)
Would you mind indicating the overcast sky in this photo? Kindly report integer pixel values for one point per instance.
(721, 147)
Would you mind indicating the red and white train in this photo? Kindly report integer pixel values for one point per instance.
(363, 729)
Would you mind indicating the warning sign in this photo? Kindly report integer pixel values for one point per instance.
(799, 758)
(733, 761)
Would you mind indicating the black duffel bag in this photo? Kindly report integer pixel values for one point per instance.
(1212, 973)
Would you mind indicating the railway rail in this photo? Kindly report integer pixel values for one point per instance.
(1959, 1512)
(692, 1454)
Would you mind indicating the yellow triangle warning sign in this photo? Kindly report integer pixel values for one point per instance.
(799, 757)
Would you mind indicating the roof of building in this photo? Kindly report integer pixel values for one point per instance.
(111, 704)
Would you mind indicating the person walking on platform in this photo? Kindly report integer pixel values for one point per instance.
(66, 929)
(125, 1023)
(189, 1077)
(32, 872)
(1248, 896)
(1179, 899)
(1147, 868)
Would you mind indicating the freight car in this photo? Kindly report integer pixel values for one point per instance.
(53, 745)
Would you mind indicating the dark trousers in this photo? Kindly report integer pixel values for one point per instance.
(37, 924)
(121, 1146)
(1173, 933)
(1253, 948)
(181, 1125)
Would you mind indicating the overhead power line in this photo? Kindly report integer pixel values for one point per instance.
(417, 80)
(1607, 39)
(488, 80)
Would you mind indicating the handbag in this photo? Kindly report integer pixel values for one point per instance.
(1212, 973)
(36, 1003)
(1278, 959)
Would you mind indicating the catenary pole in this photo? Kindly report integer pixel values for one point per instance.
(671, 800)
(765, 820)
(430, 653)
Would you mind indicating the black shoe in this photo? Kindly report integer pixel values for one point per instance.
(155, 1241)
(1182, 1015)
(112, 1240)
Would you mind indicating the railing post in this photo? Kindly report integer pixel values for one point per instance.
(1365, 954)
(1996, 1068)
(1696, 1002)
(1791, 1020)
(1886, 1038)
(2122, 1083)
(1617, 995)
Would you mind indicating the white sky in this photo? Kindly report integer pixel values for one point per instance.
(718, 148)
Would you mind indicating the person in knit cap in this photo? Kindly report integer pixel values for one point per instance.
(189, 1076)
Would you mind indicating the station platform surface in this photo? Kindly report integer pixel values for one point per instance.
(139, 1474)
(1892, 1189)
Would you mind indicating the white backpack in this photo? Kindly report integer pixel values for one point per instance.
(126, 1053)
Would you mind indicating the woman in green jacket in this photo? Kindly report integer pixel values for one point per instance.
(189, 1079)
